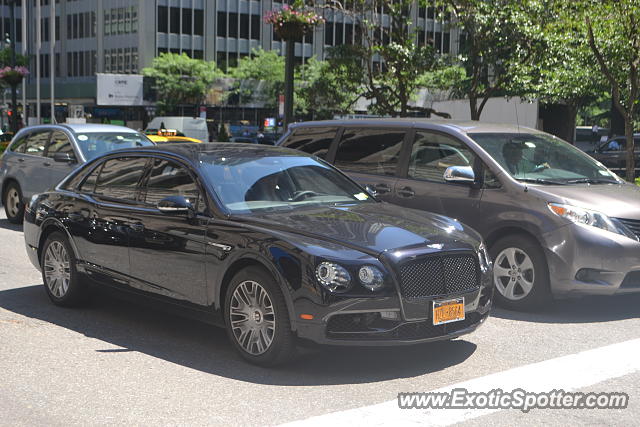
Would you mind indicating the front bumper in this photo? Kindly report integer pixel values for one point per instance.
(586, 260)
(358, 322)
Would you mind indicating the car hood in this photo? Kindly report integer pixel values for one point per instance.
(373, 227)
(615, 200)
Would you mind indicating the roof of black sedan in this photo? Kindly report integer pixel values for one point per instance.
(194, 150)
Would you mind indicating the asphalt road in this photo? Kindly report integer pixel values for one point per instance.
(116, 362)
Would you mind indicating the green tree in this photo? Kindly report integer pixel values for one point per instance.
(385, 61)
(5, 58)
(260, 76)
(613, 33)
(501, 38)
(181, 80)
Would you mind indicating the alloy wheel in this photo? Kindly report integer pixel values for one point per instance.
(513, 273)
(252, 317)
(57, 271)
(13, 202)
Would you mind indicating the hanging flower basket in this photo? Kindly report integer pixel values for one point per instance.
(292, 22)
(13, 76)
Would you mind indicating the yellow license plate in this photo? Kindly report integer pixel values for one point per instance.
(448, 311)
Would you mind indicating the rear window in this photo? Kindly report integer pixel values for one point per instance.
(94, 144)
(119, 178)
(18, 144)
(312, 140)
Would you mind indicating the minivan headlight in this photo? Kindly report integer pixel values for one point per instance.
(592, 218)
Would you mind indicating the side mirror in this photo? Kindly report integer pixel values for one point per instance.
(175, 205)
(459, 175)
(64, 158)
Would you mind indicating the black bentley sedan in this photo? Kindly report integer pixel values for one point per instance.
(274, 245)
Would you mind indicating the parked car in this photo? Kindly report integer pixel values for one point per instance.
(612, 153)
(40, 156)
(556, 221)
(271, 243)
(169, 136)
(191, 127)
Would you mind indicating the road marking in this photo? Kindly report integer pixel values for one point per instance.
(570, 372)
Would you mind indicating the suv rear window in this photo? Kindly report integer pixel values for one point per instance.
(370, 150)
(313, 140)
(18, 144)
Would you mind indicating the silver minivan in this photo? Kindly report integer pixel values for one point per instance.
(556, 221)
(40, 156)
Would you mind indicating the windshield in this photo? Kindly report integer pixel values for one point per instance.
(253, 184)
(543, 158)
(93, 144)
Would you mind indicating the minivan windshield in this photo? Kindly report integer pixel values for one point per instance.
(93, 144)
(246, 184)
(543, 159)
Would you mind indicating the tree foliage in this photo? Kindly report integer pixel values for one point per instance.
(613, 33)
(180, 80)
(260, 76)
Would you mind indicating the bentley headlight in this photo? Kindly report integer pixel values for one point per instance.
(333, 276)
(591, 218)
(371, 277)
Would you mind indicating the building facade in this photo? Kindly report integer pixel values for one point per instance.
(123, 36)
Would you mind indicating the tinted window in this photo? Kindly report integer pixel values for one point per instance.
(18, 144)
(433, 153)
(59, 143)
(36, 143)
(119, 178)
(312, 140)
(373, 151)
(168, 178)
(89, 184)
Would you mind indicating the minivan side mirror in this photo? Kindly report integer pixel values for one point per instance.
(175, 205)
(372, 191)
(64, 158)
(459, 175)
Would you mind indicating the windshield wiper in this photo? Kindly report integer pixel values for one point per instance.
(541, 181)
(592, 181)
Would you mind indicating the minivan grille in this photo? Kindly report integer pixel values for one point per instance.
(632, 224)
(439, 275)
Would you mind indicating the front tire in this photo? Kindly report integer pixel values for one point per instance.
(520, 273)
(59, 275)
(257, 319)
(13, 205)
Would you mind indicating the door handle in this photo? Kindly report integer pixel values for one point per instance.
(21, 160)
(137, 227)
(382, 188)
(406, 192)
(46, 164)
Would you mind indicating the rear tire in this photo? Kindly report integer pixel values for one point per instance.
(257, 319)
(59, 275)
(520, 273)
(13, 205)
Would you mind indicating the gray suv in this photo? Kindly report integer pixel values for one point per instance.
(556, 221)
(40, 156)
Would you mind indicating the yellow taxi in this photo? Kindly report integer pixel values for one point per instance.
(168, 136)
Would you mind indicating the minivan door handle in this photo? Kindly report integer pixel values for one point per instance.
(20, 160)
(382, 188)
(406, 192)
(137, 227)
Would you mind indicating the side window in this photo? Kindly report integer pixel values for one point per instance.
(433, 153)
(373, 151)
(89, 184)
(18, 144)
(168, 178)
(36, 143)
(119, 178)
(312, 140)
(59, 143)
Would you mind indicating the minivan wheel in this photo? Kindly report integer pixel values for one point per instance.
(59, 273)
(13, 206)
(520, 273)
(257, 320)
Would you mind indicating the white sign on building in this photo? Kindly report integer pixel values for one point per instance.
(119, 89)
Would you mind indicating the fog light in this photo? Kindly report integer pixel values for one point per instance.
(389, 315)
